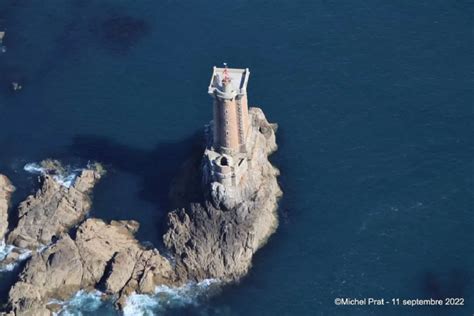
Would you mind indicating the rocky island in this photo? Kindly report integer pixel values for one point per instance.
(226, 208)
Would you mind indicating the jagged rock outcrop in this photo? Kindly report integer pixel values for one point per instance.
(213, 237)
(104, 256)
(6, 189)
(54, 209)
(217, 238)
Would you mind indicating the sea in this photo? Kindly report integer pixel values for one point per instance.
(374, 102)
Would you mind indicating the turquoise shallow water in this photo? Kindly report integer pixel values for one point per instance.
(374, 102)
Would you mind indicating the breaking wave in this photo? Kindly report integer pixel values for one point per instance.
(81, 302)
(64, 180)
(5, 250)
(165, 297)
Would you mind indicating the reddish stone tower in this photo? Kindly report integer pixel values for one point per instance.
(228, 87)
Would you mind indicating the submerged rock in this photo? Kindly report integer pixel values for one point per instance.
(120, 33)
(3, 49)
(16, 86)
(52, 166)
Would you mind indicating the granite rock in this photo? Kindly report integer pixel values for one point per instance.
(217, 237)
(53, 210)
(214, 235)
(6, 189)
(101, 255)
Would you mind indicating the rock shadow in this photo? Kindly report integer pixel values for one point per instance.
(156, 169)
(8, 279)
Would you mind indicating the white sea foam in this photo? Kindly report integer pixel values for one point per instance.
(43, 248)
(166, 297)
(33, 168)
(141, 305)
(5, 250)
(81, 302)
(64, 180)
(137, 304)
(8, 267)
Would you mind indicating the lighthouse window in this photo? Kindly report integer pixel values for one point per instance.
(224, 161)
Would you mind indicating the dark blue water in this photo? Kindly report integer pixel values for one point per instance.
(375, 105)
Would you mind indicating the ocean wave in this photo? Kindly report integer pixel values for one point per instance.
(166, 297)
(5, 250)
(141, 305)
(66, 180)
(81, 302)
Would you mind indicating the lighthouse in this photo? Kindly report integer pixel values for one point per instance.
(226, 160)
(228, 88)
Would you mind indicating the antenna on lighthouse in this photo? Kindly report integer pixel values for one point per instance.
(226, 78)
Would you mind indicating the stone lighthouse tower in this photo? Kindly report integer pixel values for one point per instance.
(228, 87)
(226, 160)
